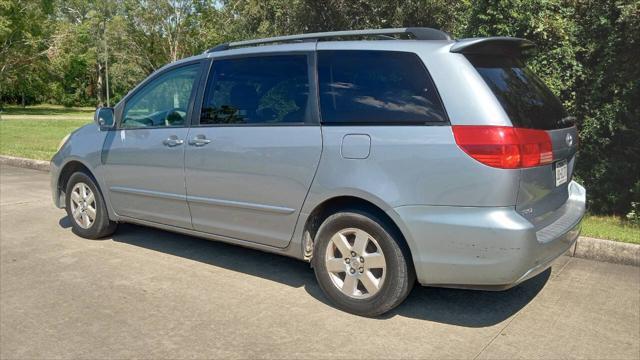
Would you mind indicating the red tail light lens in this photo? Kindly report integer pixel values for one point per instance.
(505, 147)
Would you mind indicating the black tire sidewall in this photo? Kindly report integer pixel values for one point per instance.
(398, 271)
(102, 226)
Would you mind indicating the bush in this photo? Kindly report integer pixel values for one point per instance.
(587, 54)
(69, 100)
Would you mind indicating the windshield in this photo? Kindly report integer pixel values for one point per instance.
(525, 98)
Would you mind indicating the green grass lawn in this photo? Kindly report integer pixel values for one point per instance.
(611, 228)
(35, 132)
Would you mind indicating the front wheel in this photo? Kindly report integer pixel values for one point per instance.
(86, 208)
(360, 266)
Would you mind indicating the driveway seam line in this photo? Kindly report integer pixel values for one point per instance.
(563, 267)
(498, 334)
(518, 313)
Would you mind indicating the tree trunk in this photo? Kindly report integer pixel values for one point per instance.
(1, 98)
(23, 101)
(100, 84)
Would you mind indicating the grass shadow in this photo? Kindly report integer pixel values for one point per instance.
(43, 110)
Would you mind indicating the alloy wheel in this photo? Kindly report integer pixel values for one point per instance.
(355, 263)
(83, 205)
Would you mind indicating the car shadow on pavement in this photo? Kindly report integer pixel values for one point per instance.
(450, 306)
(264, 265)
(469, 308)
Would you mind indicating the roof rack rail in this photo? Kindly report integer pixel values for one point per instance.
(419, 33)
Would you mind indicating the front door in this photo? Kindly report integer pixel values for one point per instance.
(144, 156)
(251, 160)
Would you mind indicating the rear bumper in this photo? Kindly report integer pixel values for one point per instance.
(486, 247)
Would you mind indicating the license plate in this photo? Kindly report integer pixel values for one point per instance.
(561, 172)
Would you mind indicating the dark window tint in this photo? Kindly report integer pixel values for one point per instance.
(257, 90)
(376, 87)
(525, 98)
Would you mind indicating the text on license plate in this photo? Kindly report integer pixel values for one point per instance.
(561, 172)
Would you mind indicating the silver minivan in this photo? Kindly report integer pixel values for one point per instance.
(381, 157)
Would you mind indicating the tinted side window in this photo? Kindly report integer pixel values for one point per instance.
(257, 90)
(162, 102)
(380, 87)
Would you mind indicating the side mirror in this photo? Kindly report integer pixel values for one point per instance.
(104, 118)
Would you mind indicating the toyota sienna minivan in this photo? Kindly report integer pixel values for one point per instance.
(381, 157)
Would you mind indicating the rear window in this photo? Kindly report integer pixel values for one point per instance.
(525, 98)
(376, 87)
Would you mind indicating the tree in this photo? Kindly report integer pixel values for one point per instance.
(255, 18)
(608, 103)
(165, 31)
(24, 37)
(54, 50)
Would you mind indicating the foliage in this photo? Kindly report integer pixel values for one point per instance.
(253, 18)
(58, 51)
(608, 103)
(24, 29)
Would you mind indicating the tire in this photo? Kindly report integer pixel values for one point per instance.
(379, 285)
(91, 220)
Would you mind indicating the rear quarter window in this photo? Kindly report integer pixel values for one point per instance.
(524, 97)
(376, 87)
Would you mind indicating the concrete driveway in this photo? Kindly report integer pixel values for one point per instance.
(151, 294)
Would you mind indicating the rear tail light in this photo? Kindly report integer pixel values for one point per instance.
(505, 147)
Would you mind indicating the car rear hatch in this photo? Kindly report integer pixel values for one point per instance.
(543, 189)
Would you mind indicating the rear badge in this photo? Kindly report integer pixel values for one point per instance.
(528, 211)
(569, 140)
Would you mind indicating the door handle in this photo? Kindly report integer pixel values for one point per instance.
(172, 141)
(199, 140)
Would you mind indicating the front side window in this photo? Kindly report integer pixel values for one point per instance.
(376, 87)
(257, 90)
(162, 102)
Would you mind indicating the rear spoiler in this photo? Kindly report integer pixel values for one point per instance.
(498, 45)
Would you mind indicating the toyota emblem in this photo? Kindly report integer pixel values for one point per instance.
(569, 140)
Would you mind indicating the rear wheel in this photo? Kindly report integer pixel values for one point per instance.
(360, 266)
(86, 208)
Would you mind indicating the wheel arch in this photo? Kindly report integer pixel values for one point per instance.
(69, 169)
(336, 204)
